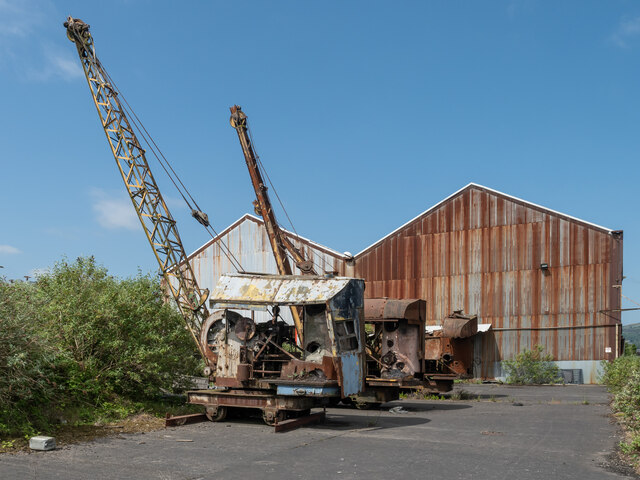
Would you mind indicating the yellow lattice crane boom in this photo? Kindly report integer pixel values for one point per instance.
(157, 222)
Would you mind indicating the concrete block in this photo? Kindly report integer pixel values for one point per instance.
(42, 443)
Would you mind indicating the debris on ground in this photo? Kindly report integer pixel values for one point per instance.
(42, 443)
(398, 410)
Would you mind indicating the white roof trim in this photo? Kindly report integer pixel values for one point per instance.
(608, 230)
(246, 216)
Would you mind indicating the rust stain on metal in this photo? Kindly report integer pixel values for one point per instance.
(272, 289)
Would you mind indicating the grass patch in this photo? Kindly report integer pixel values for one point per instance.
(463, 395)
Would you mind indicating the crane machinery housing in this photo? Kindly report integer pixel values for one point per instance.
(280, 369)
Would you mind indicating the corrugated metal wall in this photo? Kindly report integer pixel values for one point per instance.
(481, 251)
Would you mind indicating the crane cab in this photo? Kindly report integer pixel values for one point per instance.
(261, 361)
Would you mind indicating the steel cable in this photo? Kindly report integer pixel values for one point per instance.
(263, 170)
(166, 166)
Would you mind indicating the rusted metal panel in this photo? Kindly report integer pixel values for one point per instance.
(482, 252)
(459, 325)
(377, 309)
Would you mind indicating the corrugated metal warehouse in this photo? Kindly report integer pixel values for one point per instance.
(536, 275)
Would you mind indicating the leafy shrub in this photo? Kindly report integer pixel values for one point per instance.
(531, 367)
(622, 377)
(616, 374)
(81, 340)
(26, 360)
(116, 336)
(630, 348)
(627, 401)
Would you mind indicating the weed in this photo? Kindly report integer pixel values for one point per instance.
(431, 396)
(631, 447)
(471, 381)
(463, 395)
(8, 443)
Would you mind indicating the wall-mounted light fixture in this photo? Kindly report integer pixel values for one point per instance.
(544, 267)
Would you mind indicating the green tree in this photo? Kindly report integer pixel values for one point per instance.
(622, 377)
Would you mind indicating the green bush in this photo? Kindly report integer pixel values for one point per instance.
(531, 367)
(616, 374)
(627, 401)
(116, 336)
(622, 377)
(26, 361)
(630, 348)
(79, 339)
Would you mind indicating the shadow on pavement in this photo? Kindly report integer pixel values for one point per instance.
(375, 421)
(426, 405)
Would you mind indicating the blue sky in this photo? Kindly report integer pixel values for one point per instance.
(365, 114)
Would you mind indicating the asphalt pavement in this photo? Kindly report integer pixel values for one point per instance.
(502, 432)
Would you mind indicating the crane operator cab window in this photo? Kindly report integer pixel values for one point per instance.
(316, 335)
(346, 335)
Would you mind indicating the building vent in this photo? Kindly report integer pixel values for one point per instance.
(572, 375)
